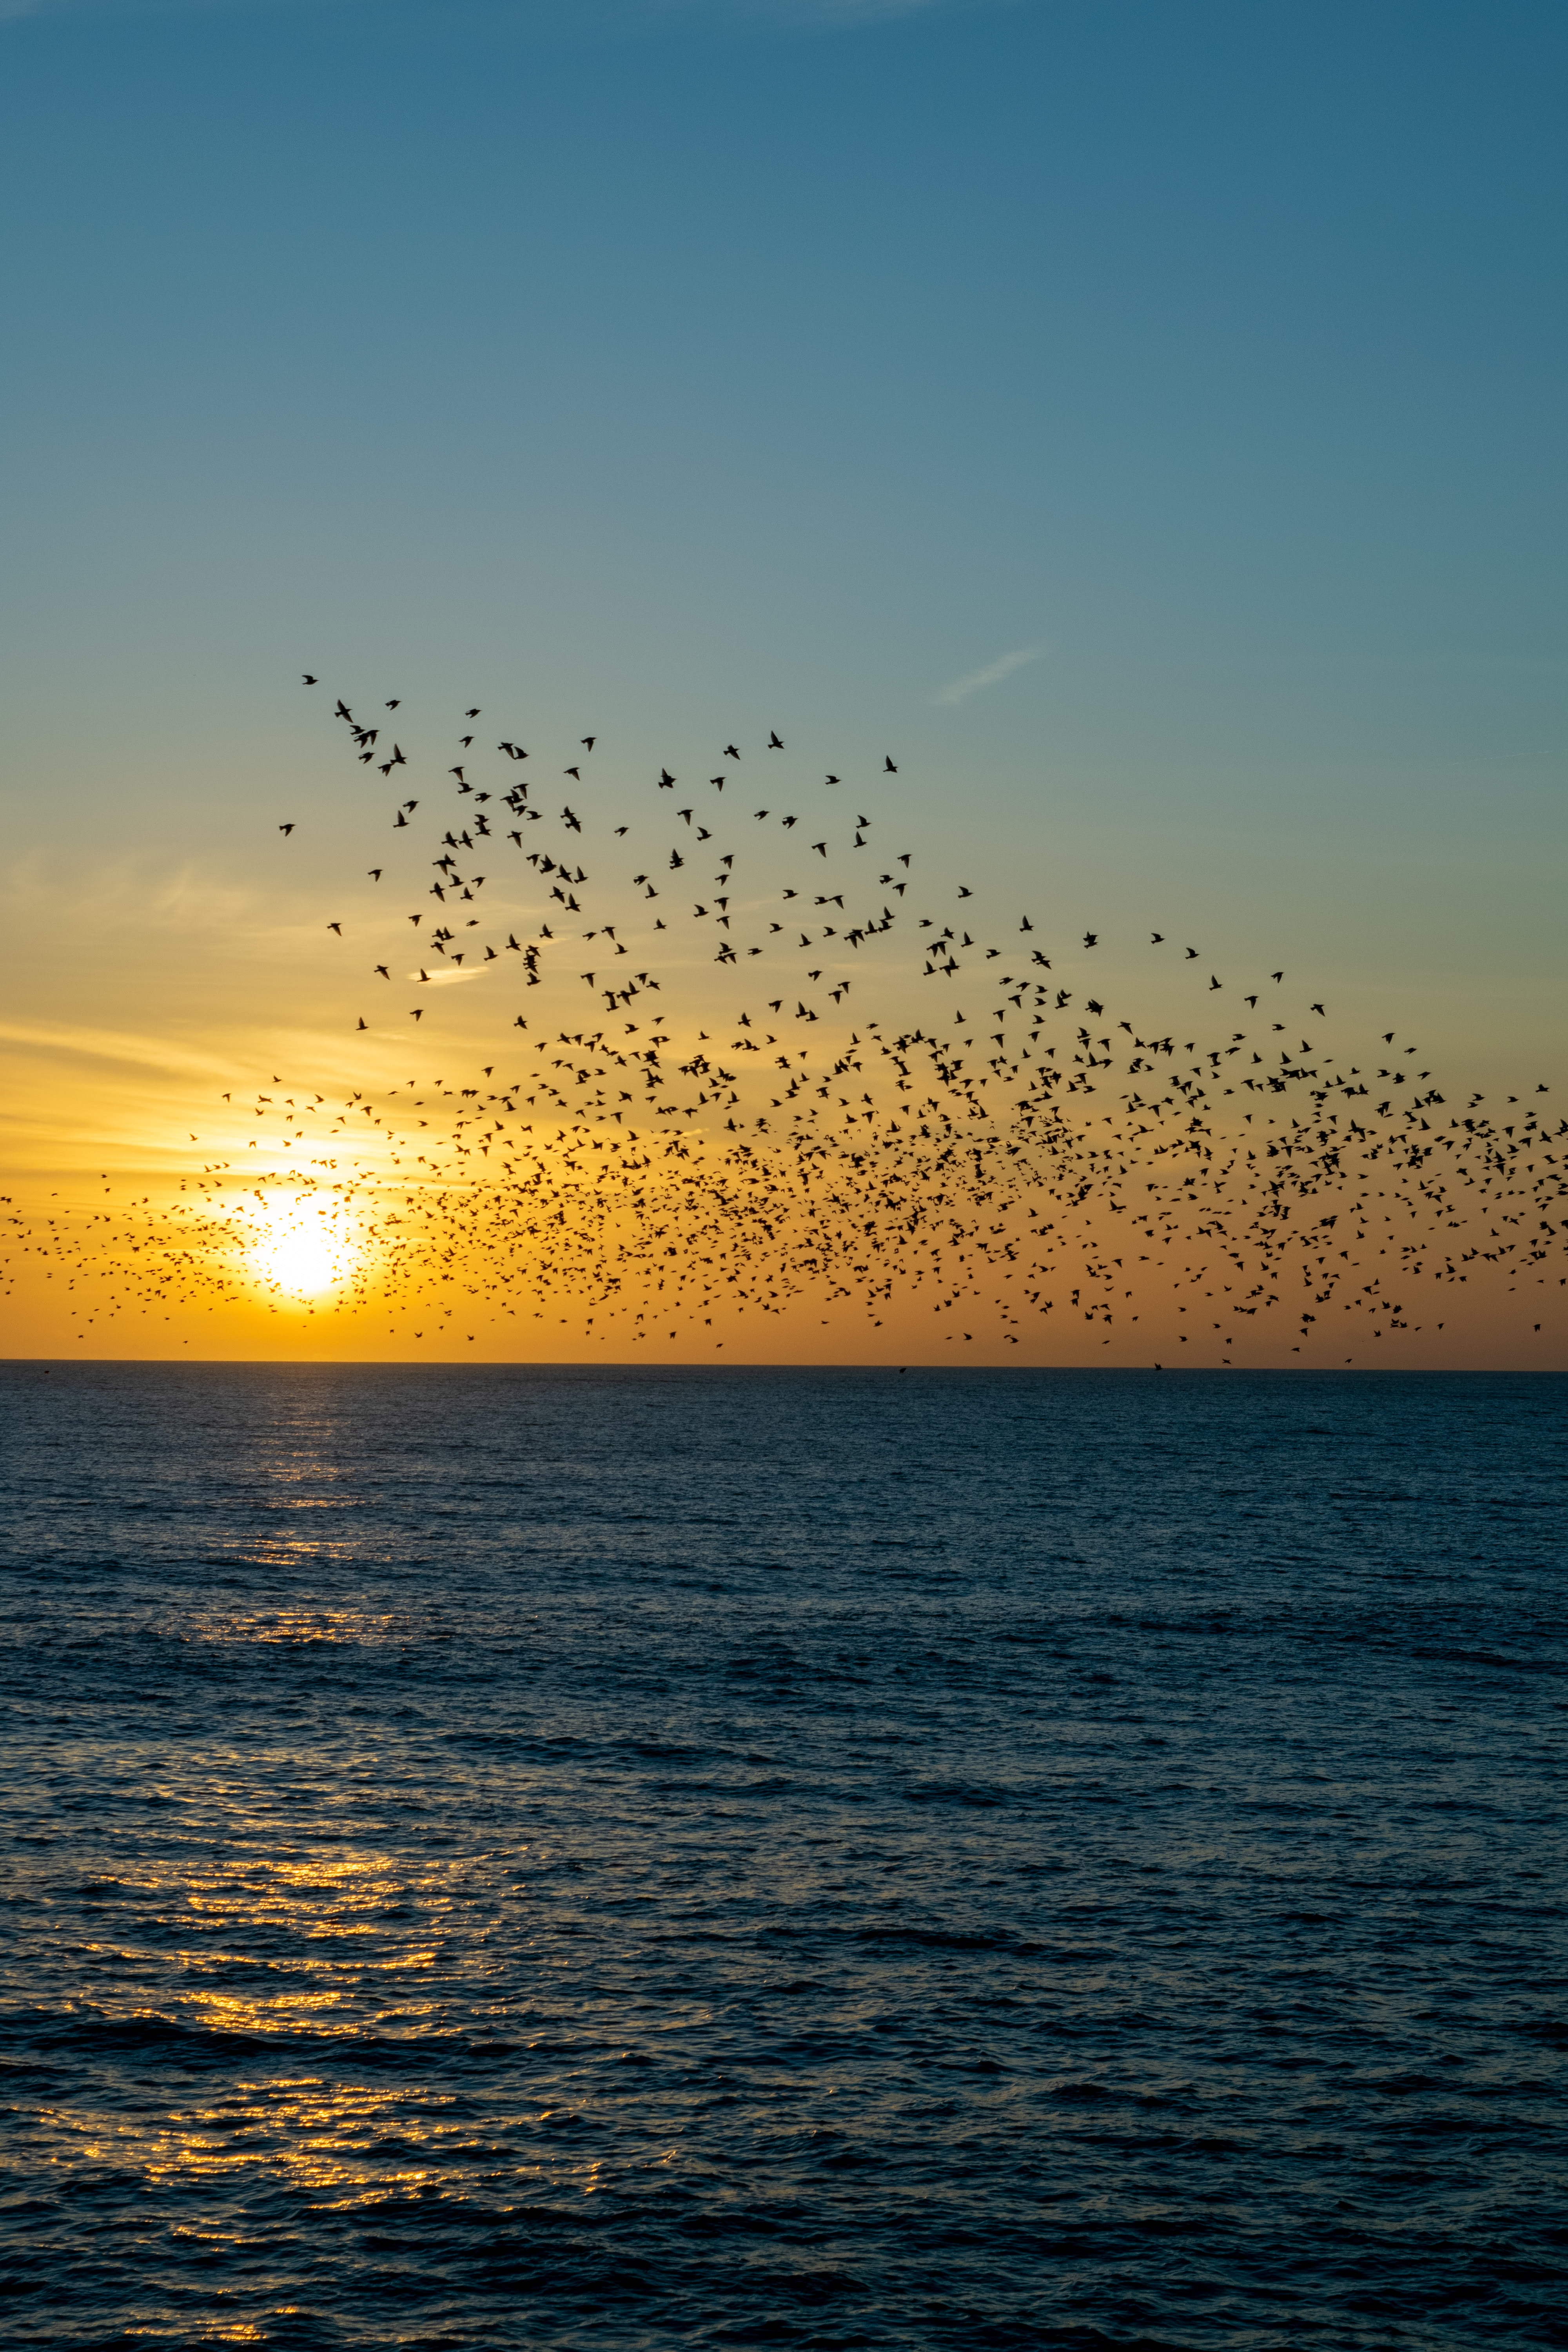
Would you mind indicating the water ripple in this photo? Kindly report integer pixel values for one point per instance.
(506, 1858)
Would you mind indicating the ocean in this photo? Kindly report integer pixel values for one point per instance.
(684, 1858)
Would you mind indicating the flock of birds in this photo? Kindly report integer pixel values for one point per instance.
(687, 1115)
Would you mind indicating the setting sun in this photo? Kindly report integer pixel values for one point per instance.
(301, 1250)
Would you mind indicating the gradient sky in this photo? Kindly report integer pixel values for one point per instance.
(1148, 417)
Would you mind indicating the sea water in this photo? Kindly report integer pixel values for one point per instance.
(551, 1858)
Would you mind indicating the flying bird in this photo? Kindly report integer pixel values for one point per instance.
(896, 1104)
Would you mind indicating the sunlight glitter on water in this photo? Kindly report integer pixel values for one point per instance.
(1069, 1846)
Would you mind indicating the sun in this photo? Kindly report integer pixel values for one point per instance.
(300, 1249)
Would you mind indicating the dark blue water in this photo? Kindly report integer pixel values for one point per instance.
(501, 1859)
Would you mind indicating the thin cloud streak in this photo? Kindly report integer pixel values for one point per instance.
(112, 1046)
(976, 681)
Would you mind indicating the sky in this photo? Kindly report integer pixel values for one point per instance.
(1146, 418)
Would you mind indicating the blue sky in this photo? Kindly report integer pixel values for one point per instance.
(668, 367)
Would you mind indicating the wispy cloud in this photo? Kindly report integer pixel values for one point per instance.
(976, 681)
(56, 1037)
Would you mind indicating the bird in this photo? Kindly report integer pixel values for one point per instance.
(1065, 1098)
(309, 680)
(285, 828)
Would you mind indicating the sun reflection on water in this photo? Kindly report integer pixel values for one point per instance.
(337, 2140)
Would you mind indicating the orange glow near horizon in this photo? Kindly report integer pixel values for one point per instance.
(1121, 1153)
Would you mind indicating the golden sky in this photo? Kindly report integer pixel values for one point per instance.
(679, 1076)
